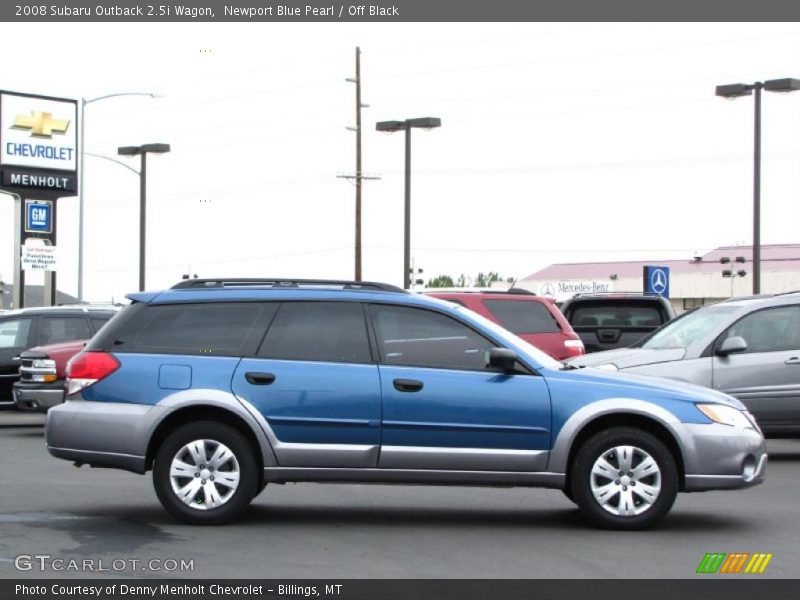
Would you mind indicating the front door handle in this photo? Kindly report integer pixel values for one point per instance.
(795, 360)
(259, 378)
(407, 385)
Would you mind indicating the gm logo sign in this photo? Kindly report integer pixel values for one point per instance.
(38, 216)
(656, 281)
(734, 563)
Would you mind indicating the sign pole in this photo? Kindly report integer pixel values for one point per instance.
(50, 288)
(18, 296)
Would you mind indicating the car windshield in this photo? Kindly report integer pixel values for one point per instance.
(689, 328)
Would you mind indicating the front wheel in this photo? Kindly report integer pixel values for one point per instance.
(624, 478)
(205, 473)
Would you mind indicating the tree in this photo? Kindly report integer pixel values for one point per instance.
(462, 281)
(485, 280)
(442, 281)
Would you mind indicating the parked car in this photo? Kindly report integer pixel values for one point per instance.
(534, 318)
(746, 347)
(221, 387)
(42, 373)
(23, 329)
(615, 320)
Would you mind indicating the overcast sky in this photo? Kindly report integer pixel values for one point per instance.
(559, 143)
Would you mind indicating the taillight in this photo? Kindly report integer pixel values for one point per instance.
(574, 347)
(87, 368)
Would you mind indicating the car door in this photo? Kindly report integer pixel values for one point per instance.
(766, 376)
(443, 408)
(315, 382)
(16, 335)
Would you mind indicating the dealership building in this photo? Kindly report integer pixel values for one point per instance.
(720, 274)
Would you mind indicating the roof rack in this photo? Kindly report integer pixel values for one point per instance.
(284, 283)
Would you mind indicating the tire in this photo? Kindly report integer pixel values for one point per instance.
(613, 501)
(568, 494)
(227, 472)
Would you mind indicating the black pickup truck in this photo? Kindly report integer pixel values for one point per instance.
(615, 320)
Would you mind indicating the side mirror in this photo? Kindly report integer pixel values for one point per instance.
(732, 345)
(503, 359)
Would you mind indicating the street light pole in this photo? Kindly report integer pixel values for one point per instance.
(757, 190)
(407, 126)
(735, 90)
(142, 219)
(81, 158)
(407, 219)
(142, 151)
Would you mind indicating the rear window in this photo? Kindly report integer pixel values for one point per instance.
(63, 329)
(218, 328)
(523, 316)
(618, 314)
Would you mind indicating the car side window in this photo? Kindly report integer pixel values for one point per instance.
(15, 333)
(98, 322)
(63, 329)
(768, 330)
(318, 331)
(213, 328)
(423, 338)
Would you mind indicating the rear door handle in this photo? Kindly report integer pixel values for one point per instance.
(795, 360)
(259, 378)
(407, 385)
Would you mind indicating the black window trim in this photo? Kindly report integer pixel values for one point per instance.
(527, 368)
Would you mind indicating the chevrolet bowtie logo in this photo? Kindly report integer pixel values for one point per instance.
(41, 124)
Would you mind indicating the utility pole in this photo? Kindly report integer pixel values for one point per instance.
(359, 176)
(358, 164)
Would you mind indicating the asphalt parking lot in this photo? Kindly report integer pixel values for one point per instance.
(48, 507)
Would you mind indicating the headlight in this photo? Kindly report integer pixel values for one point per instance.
(719, 413)
(607, 367)
(44, 363)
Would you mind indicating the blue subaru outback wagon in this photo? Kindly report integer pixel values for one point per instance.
(221, 387)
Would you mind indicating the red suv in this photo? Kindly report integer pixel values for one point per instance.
(535, 319)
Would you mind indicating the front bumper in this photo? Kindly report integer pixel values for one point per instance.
(720, 457)
(38, 397)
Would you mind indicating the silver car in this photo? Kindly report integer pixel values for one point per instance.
(746, 347)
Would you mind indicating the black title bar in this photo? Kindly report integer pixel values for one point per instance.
(397, 10)
(708, 588)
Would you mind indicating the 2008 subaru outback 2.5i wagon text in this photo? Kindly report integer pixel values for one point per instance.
(222, 387)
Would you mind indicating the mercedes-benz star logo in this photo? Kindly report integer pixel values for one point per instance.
(548, 289)
(658, 281)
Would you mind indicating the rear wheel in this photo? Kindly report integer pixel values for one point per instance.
(624, 478)
(205, 473)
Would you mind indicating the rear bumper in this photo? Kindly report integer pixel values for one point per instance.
(102, 434)
(38, 397)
